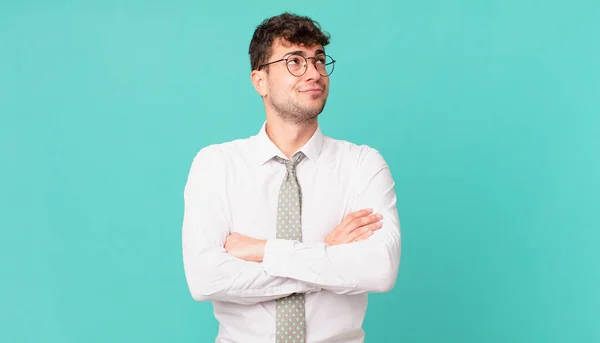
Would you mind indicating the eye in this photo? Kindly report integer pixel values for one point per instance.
(295, 60)
(321, 59)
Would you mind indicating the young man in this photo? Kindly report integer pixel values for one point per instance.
(287, 231)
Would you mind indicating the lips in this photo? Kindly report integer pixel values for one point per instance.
(312, 91)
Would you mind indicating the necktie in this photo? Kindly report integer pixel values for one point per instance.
(290, 310)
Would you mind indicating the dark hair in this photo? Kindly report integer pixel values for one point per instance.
(291, 27)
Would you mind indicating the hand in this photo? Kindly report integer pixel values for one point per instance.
(244, 247)
(355, 227)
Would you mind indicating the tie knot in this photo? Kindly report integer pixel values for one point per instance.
(291, 164)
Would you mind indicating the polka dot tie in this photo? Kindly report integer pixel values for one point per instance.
(290, 310)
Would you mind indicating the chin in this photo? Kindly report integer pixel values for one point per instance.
(316, 104)
(313, 112)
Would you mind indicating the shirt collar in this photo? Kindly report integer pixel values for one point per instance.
(266, 149)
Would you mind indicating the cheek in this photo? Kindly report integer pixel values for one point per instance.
(283, 87)
(291, 84)
(288, 88)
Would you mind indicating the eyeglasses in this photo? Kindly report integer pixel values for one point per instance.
(297, 65)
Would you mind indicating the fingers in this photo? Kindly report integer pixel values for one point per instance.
(363, 236)
(355, 226)
(354, 215)
(363, 221)
(364, 232)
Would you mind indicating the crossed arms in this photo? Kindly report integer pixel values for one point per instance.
(360, 255)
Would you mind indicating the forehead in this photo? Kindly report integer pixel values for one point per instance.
(281, 47)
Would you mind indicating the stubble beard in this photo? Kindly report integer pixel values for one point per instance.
(291, 111)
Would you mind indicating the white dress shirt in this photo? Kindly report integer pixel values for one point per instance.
(234, 187)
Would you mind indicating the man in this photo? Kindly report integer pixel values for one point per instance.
(287, 231)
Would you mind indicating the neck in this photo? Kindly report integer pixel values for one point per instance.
(289, 137)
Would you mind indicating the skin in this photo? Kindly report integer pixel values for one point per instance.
(292, 105)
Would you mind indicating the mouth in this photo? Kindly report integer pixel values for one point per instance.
(313, 91)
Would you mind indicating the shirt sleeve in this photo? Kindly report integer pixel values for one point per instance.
(370, 265)
(211, 273)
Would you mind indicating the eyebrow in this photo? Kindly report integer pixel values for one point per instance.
(302, 53)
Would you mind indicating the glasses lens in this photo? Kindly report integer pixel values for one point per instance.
(324, 64)
(328, 64)
(295, 65)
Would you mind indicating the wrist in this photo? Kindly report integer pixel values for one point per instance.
(259, 250)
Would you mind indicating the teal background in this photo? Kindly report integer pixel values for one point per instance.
(486, 111)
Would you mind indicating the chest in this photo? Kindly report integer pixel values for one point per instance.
(253, 201)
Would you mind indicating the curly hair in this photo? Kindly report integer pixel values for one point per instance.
(293, 28)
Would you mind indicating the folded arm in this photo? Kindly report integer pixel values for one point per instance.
(212, 274)
(370, 265)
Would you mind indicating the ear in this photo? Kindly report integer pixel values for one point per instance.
(258, 78)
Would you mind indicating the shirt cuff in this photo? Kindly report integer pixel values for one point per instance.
(278, 255)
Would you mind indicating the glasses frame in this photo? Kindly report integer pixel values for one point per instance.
(314, 58)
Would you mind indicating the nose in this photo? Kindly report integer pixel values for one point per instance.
(311, 70)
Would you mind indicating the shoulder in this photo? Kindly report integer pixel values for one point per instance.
(359, 155)
(216, 160)
(222, 152)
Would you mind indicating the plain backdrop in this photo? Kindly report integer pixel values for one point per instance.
(486, 111)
